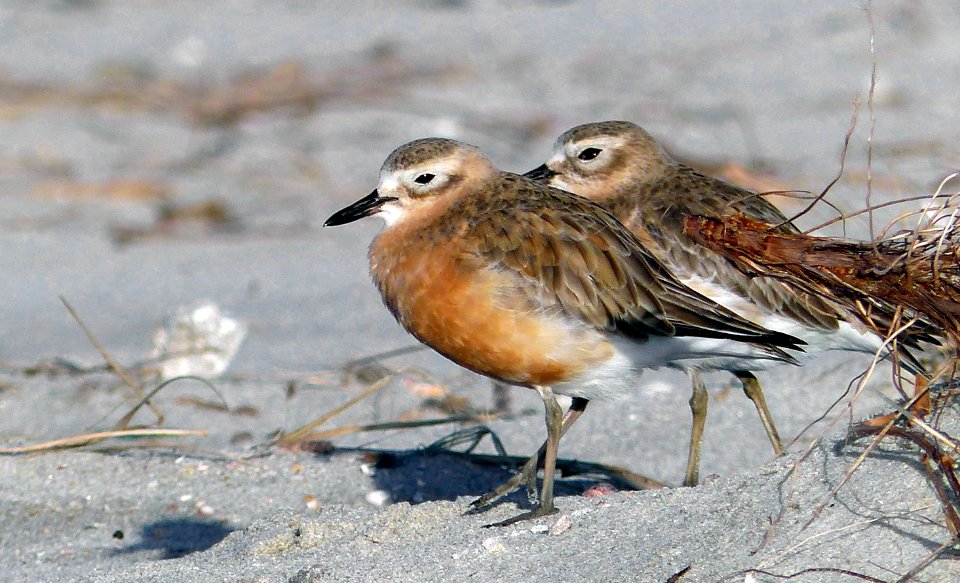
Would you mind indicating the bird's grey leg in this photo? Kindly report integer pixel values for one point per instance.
(751, 386)
(528, 473)
(698, 406)
(553, 415)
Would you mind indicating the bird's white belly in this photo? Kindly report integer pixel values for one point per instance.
(618, 375)
(846, 337)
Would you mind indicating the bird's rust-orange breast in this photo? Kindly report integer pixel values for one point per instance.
(469, 314)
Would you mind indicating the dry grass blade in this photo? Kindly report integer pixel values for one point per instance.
(880, 433)
(301, 432)
(88, 438)
(145, 399)
(386, 426)
(114, 366)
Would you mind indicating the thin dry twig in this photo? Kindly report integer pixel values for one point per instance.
(923, 564)
(871, 107)
(859, 461)
(882, 205)
(843, 162)
(796, 574)
(125, 420)
(932, 453)
(88, 438)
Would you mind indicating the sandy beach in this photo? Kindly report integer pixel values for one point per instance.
(157, 155)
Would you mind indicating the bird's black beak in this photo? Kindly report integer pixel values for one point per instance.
(364, 207)
(541, 173)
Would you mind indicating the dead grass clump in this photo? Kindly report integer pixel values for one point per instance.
(904, 285)
(914, 273)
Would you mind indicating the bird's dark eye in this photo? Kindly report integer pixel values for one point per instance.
(588, 154)
(424, 178)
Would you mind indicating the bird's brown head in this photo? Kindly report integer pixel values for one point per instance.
(599, 160)
(420, 176)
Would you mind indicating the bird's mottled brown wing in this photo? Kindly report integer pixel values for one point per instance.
(569, 253)
(687, 192)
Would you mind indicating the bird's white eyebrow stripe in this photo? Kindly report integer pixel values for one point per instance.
(599, 141)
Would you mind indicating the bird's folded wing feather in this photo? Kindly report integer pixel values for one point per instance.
(567, 252)
(680, 250)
